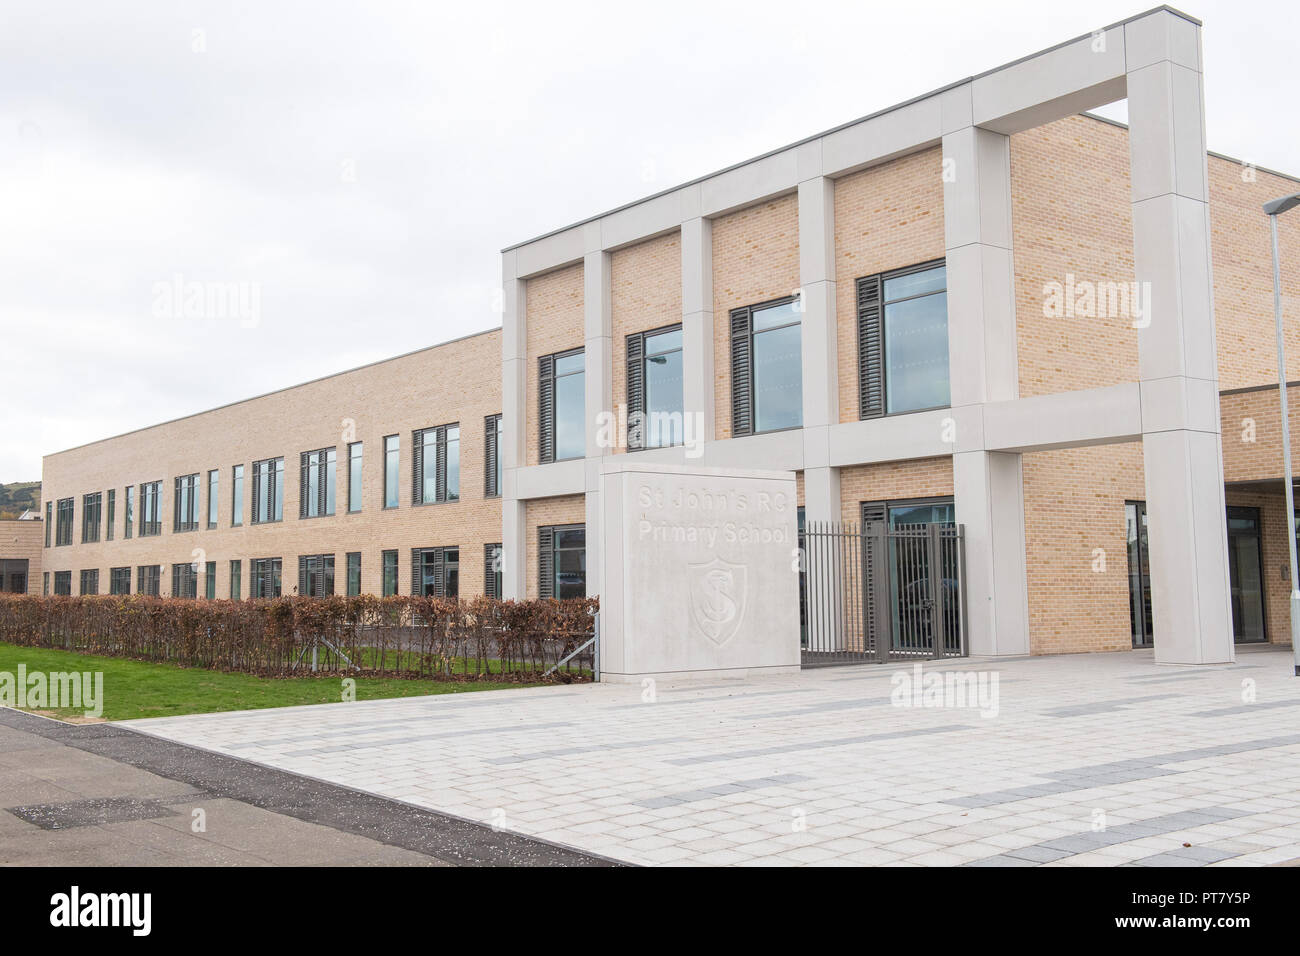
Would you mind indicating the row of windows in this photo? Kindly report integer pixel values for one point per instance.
(902, 367)
(435, 572)
(435, 477)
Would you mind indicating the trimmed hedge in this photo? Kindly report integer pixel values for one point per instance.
(399, 636)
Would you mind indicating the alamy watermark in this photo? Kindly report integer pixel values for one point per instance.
(37, 690)
(181, 298)
(1088, 299)
(946, 689)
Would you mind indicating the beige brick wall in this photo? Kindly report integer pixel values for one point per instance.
(1074, 504)
(1243, 275)
(23, 540)
(922, 478)
(554, 323)
(1071, 214)
(393, 397)
(755, 259)
(646, 293)
(569, 509)
(887, 217)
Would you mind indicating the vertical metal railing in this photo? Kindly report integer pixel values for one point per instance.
(877, 593)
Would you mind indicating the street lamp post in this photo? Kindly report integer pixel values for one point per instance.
(1273, 210)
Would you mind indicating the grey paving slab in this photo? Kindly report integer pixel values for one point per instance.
(820, 767)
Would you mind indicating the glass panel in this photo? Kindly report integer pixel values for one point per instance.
(279, 489)
(354, 477)
(773, 315)
(565, 364)
(453, 464)
(237, 500)
(429, 487)
(916, 353)
(663, 400)
(916, 283)
(313, 486)
(571, 538)
(331, 481)
(778, 380)
(663, 341)
(570, 435)
(570, 574)
(451, 573)
(391, 449)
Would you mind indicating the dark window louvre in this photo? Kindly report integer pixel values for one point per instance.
(742, 374)
(545, 562)
(490, 558)
(417, 467)
(873, 511)
(546, 408)
(635, 389)
(491, 456)
(871, 350)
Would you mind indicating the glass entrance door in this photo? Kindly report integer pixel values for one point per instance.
(1139, 573)
(1246, 577)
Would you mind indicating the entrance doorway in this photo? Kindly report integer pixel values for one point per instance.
(1246, 575)
(1245, 568)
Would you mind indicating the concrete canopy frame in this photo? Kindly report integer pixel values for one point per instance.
(1154, 59)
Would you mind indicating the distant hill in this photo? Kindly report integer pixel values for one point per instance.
(18, 496)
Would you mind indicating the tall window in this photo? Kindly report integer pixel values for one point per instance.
(210, 580)
(63, 530)
(354, 476)
(128, 512)
(317, 483)
(654, 388)
(214, 500)
(236, 580)
(435, 572)
(392, 447)
(315, 575)
(186, 503)
(435, 468)
(90, 515)
(266, 577)
(903, 340)
(119, 581)
(562, 561)
(112, 514)
(562, 406)
(63, 583)
(185, 581)
(492, 568)
(492, 456)
(766, 367)
(354, 573)
(148, 580)
(90, 581)
(49, 523)
(268, 490)
(150, 509)
(390, 573)
(236, 496)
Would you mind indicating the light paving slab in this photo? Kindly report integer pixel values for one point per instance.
(1096, 760)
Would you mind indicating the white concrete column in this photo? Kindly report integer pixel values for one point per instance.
(988, 489)
(697, 323)
(597, 310)
(1183, 457)
(988, 493)
(513, 450)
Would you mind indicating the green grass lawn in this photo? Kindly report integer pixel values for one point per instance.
(138, 689)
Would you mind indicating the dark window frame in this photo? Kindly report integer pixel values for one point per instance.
(323, 464)
(440, 563)
(441, 445)
(110, 516)
(548, 406)
(548, 551)
(315, 575)
(149, 580)
(266, 574)
(92, 505)
(119, 580)
(637, 397)
(268, 491)
(493, 568)
(185, 503)
(392, 468)
(873, 369)
(492, 473)
(64, 515)
(150, 509)
(391, 572)
(89, 581)
(744, 410)
(356, 456)
(185, 581)
(214, 498)
(352, 564)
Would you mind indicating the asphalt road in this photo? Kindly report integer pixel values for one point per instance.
(104, 795)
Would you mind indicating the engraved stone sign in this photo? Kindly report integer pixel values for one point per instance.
(700, 571)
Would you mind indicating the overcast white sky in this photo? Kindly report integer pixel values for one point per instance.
(362, 164)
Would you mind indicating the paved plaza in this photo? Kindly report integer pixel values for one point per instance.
(1081, 760)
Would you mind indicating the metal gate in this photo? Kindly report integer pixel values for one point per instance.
(876, 593)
